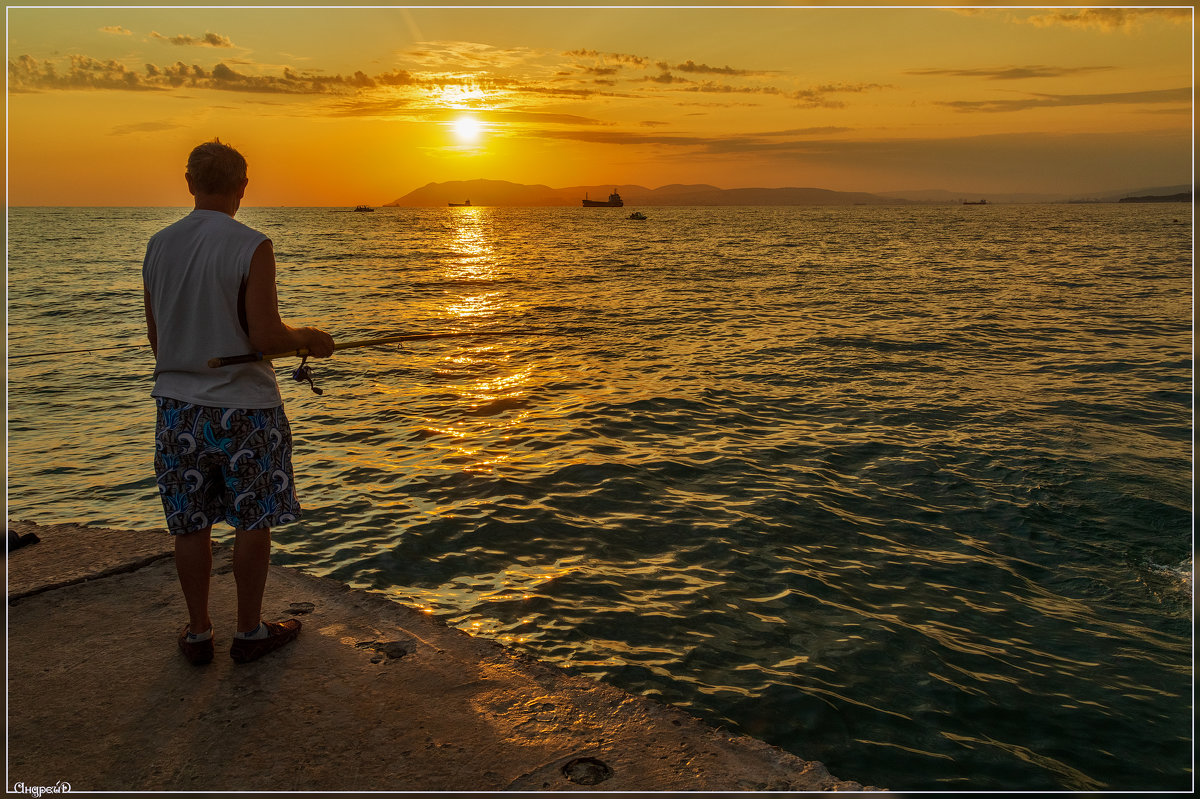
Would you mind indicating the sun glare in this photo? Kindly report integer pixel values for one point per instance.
(467, 129)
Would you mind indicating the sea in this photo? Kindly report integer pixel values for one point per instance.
(903, 489)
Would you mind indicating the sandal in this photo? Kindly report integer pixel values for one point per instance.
(279, 633)
(198, 653)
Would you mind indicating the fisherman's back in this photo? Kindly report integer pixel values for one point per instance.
(195, 271)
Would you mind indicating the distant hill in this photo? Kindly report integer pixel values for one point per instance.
(504, 193)
(479, 192)
(1181, 197)
(1154, 191)
(943, 196)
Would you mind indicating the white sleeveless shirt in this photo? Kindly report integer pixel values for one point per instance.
(195, 271)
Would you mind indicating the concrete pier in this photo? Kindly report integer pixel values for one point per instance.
(373, 696)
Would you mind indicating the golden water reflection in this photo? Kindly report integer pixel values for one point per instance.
(488, 425)
(475, 307)
(471, 242)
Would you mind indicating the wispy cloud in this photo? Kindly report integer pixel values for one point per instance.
(207, 40)
(692, 67)
(1181, 95)
(1009, 73)
(1111, 19)
(611, 58)
(793, 140)
(665, 78)
(823, 96)
(820, 96)
(464, 57)
(116, 30)
(144, 127)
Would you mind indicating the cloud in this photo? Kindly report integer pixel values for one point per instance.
(792, 140)
(368, 107)
(1009, 73)
(422, 108)
(116, 30)
(459, 57)
(1182, 95)
(1111, 19)
(708, 87)
(481, 77)
(207, 40)
(693, 67)
(397, 77)
(618, 58)
(812, 97)
(26, 73)
(665, 78)
(819, 96)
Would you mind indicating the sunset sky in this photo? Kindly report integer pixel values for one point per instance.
(348, 106)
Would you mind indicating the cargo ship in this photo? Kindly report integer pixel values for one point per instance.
(613, 201)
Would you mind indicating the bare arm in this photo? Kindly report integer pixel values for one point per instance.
(151, 327)
(268, 332)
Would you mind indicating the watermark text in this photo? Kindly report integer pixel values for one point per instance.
(38, 791)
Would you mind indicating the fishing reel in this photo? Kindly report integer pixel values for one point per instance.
(304, 373)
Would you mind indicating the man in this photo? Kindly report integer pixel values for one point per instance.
(222, 441)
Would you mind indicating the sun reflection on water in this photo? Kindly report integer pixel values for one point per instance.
(471, 242)
(482, 428)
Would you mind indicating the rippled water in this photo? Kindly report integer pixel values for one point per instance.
(905, 490)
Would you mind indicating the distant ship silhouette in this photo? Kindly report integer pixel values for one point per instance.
(613, 201)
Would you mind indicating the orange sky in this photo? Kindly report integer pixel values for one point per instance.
(347, 106)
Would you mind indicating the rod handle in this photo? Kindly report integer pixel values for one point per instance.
(230, 360)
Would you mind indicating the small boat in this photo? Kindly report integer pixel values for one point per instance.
(363, 208)
(467, 204)
(968, 202)
(637, 215)
(614, 201)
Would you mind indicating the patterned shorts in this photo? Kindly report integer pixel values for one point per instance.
(223, 464)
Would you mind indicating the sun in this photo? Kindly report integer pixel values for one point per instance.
(467, 129)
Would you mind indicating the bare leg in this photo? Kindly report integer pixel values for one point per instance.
(193, 564)
(251, 557)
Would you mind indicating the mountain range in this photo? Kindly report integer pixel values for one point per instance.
(503, 193)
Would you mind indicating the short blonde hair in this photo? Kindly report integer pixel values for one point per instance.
(216, 168)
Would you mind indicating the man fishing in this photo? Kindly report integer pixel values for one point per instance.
(222, 441)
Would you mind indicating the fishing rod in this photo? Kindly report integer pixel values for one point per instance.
(303, 352)
(304, 372)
